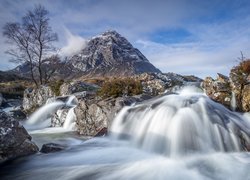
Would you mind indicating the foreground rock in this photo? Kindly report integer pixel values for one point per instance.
(36, 97)
(52, 147)
(94, 117)
(14, 139)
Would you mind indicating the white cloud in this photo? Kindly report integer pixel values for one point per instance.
(74, 44)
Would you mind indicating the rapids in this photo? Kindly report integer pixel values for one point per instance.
(176, 136)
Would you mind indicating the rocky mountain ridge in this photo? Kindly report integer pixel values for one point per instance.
(108, 54)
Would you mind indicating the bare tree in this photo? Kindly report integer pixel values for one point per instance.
(32, 41)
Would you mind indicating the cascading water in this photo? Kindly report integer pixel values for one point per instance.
(233, 102)
(181, 124)
(187, 133)
(42, 117)
(69, 122)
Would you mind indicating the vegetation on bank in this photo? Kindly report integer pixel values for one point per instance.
(55, 86)
(118, 87)
(14, 89)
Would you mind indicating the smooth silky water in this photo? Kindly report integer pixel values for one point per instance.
(177, 136)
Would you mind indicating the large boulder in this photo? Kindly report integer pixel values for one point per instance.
(219, 89)
(14, 139)
(36, 97)
(92, 116)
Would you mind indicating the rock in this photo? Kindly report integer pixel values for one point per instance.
(158, 83)
(18, 114)
(1, 99)
(52, 147)
(77, 87)
(219, 89)
(36, 97)
(59, 118)
(102, 132)
(246, 98)
(14, 139)
(92, 116)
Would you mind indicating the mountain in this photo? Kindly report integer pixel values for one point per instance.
(110, 54)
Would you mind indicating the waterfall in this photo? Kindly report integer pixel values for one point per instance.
(181, 124)
(42, 117)
(233, 102)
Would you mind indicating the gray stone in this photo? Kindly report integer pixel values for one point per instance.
(36, 97)
(94, 115)
(52, 147)
(14, 139)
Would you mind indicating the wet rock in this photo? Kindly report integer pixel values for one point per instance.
(102, 132)
(52, 147)
(14, 139)
(36, 97)
(18, 114)
(94, 115)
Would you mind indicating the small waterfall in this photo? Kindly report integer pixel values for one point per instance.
(69, 122)
(41, 117)
(180, 124)
(233, 102)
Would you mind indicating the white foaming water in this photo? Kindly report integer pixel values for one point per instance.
(179, 125)
(169, 126)
(233, 102)
(41, 117)
(69, 122)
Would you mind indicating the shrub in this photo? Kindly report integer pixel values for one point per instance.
(55, 86)
(120, 87)
(245, 66)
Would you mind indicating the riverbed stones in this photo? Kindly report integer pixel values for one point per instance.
(52, 147)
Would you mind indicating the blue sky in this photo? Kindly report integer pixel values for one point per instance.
(183, 36)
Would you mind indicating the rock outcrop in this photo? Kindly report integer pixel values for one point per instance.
(14, 139)
(232, 92)
(158, 83)
(36, 97)
(92, 115)
(219, 89)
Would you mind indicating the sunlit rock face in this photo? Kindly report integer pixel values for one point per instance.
(181, 124)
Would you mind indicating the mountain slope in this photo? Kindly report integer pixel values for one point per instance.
(111, 54)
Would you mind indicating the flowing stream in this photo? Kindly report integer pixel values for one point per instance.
(178, 136)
